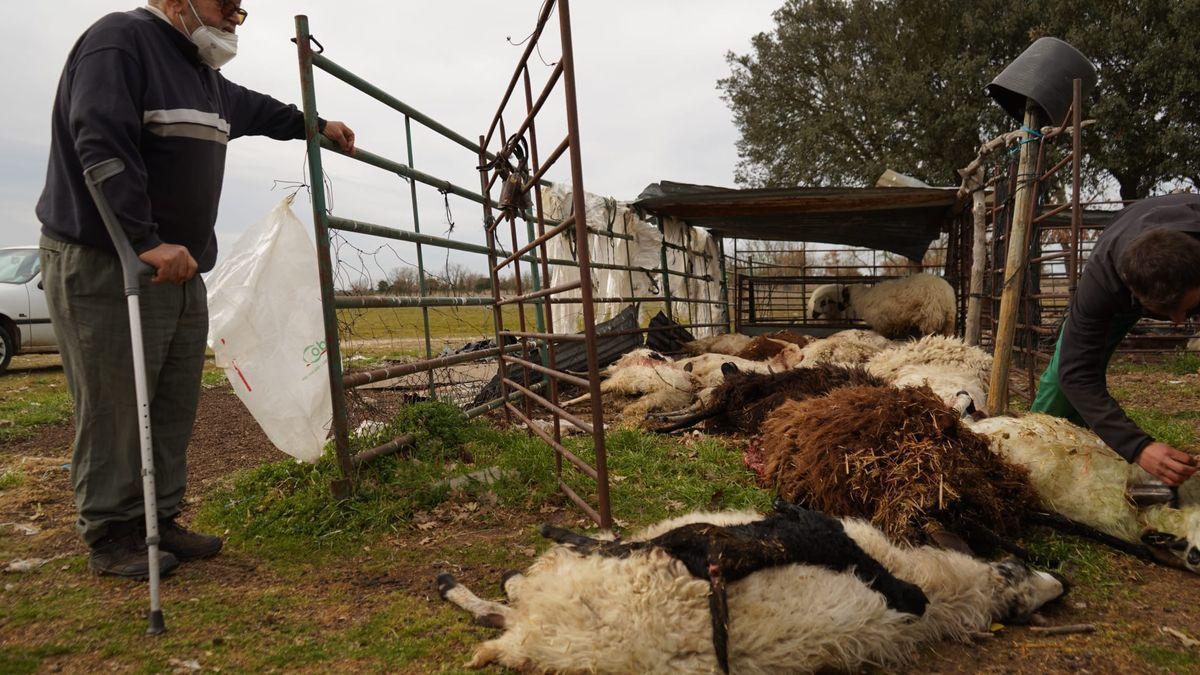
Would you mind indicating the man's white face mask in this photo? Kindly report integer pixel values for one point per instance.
(216, 46)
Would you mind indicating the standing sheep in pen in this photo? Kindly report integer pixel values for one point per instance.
(1081, 478)
(645, 612)
(921, 304)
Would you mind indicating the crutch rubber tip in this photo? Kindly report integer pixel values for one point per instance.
(157, 625)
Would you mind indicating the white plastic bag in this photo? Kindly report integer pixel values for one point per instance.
(266, 331)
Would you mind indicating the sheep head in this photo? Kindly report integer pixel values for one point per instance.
(1174, 551)
(831, 301)
(1021, 591)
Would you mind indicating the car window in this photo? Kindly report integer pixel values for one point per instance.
(18, 266)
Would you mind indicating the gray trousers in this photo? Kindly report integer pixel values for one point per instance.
(86, 298)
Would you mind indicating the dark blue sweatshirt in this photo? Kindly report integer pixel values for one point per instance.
(134, 88)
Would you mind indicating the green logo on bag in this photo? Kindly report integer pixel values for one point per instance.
(314, 353)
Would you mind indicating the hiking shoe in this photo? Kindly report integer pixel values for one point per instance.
(122, 553)
(185, 544)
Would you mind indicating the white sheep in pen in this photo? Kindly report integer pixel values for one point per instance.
(921, 304)
(947, 365)
(1080, 477)
(644, 613)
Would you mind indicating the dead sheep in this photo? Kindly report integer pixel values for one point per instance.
(646, 612)
(769, 344)
(744, 400)
(898, 457)
(707, 368)
(652, 385)
(1081, 478)
(917, 305)
(844, 348)
(947, 365)
(726, 343)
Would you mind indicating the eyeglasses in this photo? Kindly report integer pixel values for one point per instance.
(232, 11)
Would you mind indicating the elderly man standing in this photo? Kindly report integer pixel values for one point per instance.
(143, 86)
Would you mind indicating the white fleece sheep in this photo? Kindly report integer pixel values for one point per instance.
(1081, 478)
(921, 304)
(646, 614)
(845, 348)
(947, 365)
(726, 343)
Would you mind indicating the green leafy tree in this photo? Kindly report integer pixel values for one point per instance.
(842, 89)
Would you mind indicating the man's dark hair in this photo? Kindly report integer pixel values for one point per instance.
(1160, 267)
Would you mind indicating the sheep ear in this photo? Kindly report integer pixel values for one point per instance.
(728, 369)
(688, 368)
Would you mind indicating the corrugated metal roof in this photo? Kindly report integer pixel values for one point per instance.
(899, 220)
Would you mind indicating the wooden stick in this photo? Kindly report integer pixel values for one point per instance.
(1068, 629)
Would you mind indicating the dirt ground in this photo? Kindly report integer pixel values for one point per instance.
(292, 609)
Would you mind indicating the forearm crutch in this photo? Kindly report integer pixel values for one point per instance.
(132, 268)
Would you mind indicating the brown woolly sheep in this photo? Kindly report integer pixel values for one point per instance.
(897, 457)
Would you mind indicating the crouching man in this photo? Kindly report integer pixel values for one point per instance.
(143, 86)
(1146, 262)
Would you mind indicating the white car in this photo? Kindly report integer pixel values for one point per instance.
(24, 319)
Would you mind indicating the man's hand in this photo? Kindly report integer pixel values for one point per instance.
(172, 263)
(1166, 463)
(341, 134)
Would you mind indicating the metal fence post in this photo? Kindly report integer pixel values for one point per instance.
(422, 287)
(333, 353)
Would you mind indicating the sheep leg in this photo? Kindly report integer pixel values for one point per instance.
(899, 594)
(718, 611)
(577, 399)
(1068, 526)
(486, 613)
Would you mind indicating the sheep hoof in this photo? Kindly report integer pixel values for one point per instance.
(504, 580)
(445, 583)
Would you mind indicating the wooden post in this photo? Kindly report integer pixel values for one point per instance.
(978, 259)
(1024, 202)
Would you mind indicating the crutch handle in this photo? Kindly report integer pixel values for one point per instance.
(132, 267)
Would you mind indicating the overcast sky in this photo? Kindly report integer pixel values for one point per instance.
(649, 108)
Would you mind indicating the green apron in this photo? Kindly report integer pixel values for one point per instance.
(1050, 398)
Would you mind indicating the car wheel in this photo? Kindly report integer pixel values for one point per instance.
(8, 346)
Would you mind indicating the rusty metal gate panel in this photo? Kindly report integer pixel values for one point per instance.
(516, 171)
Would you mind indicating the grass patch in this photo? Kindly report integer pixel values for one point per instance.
(30, 401)
(1167, 659)
(11, 478)
(1170, 429)
(18, 661)
(1182, 363)
(1088, 565)
(407, 323)
(287, 505)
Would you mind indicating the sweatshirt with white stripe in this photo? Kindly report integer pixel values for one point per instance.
(134, 88)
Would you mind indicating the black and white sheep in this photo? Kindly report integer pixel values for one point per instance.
(646, 612)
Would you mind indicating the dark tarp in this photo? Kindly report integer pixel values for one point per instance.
(899, 220)
(668, 337)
